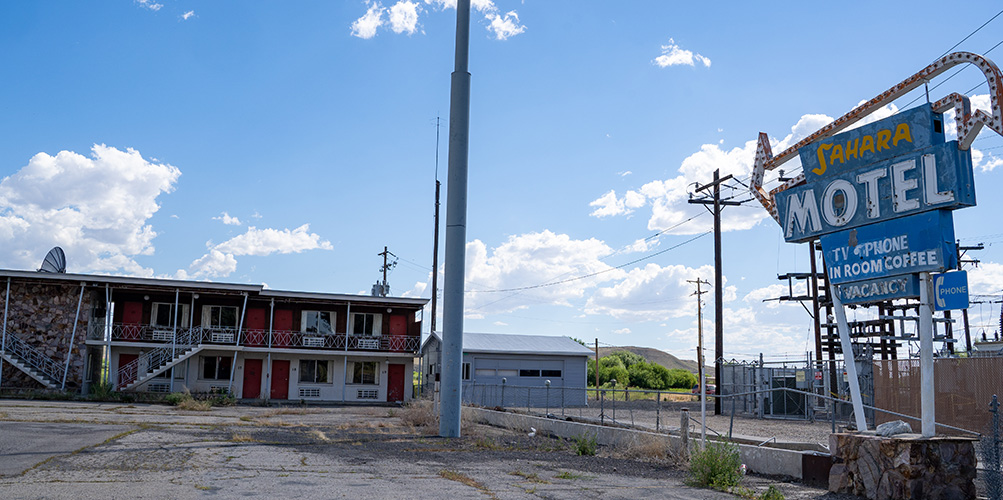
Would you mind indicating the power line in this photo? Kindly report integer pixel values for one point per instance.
(590, 275)
(970, 34)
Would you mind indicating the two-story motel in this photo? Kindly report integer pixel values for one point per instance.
(164, 335)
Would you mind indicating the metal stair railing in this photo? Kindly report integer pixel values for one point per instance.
(33, 358)
(130, 374)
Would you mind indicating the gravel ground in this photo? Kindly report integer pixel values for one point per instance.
(327, 452)
(642, 414)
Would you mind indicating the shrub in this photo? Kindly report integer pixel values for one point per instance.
(101, 391)
(585, 445)
(772, 493)
(716, 466)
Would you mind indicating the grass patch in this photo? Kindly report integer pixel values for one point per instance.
(585, 445)
(529, 476)
(569, 475)
(241, 438)
(646, 447)
(202, 402)
(459, 477)
(319, 435)
(419, 414)
(717, 466)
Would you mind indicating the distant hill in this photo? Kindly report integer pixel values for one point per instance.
(655, 356)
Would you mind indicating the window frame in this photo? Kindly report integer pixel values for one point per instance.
(207, 317)
(155, 315)
(358, 373)
(465, 371)
(218, 363)
(303, 363)
(377, 324)
(305, 322)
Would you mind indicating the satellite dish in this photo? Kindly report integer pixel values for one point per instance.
(55, 261)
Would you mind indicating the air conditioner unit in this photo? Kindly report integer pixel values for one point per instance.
(309, 392)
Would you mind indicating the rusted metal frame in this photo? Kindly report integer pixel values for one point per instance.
(969, 124)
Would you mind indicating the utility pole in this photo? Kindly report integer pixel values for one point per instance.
(385, 290)
(456, 228)
(718, 287)
(964, 312)
(700, 363)
(435, 242)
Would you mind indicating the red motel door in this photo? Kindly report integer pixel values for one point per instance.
(280, 379)
(256, 329)
(398, 332)
(395, 382)
(252, 378)
(132, 318)
(282, 324)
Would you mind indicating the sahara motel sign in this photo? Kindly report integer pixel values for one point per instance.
(879, 197)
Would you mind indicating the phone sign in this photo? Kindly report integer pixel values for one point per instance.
(950, 291)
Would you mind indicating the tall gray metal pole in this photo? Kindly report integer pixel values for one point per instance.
(456, 230)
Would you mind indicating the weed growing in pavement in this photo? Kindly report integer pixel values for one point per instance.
(530, 476)
(459, 477)
(717, 466)
(568, 475)
(646, 447)
(241, 438)
(419, 414)
(585, 445)
(772, 493)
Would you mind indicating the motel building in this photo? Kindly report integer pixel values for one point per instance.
(72, 331)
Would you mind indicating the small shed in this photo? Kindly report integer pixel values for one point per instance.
(513, 370)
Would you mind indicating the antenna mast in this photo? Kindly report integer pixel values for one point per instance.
(435, 241)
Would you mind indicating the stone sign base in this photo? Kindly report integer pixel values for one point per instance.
(902, 467)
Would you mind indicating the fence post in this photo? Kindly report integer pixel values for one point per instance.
(658, 409)
(502, 402)
(602, 410)
(562, 398)
(994, 471)
(547, 414)
(529, 398)
(613, 381)
(684, 431)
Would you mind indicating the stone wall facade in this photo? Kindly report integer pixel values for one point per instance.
(905, 466)
(41, 314)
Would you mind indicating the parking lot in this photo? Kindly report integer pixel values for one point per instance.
(104, 450)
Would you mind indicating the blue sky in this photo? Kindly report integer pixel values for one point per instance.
(288, 143)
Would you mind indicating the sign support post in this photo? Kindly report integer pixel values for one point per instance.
(848, 359)
(926, 393)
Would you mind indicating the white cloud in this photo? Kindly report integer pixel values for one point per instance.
(987, 279)
(668, 198)
(625, 173)
(150, 4)
(532, 259)
(221, 260)
(404, 17)
(227, 219)
(188, 15)
(505, 26)
(653, 293)
(365, 26)
(621, 331)
(672, 55)
(96, 208)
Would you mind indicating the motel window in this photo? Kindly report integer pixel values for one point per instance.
(162, 313)
(216, 367)
(550, 373)
(366, 372)
(366, 324)
(318, 322)
(219, 317)
(466, 371)
(529, 373)
(313, 371)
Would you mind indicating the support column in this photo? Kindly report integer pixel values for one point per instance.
(268, 363)
(456, 229)
(240, 327)
(926, 393)
(848, 361)
(73, 336)
(3, 337)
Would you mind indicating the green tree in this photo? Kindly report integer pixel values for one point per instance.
(609, 368)
(627, 358)
(679, 378)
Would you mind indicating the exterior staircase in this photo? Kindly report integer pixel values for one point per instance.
(153, 363)
(32, 361)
